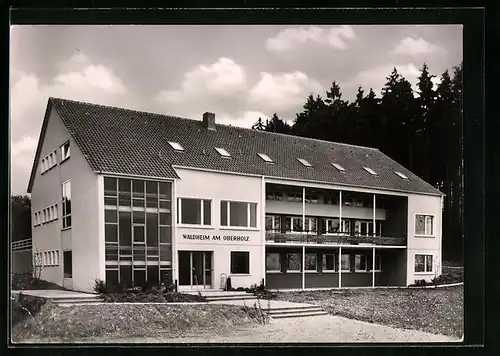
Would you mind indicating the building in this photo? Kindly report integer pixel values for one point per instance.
(127, 196)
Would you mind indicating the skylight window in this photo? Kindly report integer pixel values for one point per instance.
(176, 146)
(402, 175)
(371, 171)
(222, 152)
(304, 162)
(339, 167)
(265, 157)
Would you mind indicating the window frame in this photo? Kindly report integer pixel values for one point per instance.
(401, 175)
(305, 162)
(424, 272)
(360, 255)
(433, 225)
(222, 152)
(248, 212)
(335, 263)
(231, 263)
(65, 152)
(316, 270)
(338, 167)
(202, 224)
(288, 262)
(63, 205)
(274, 218)
(349, 259)
(265, 157)
(371, 171)
(176, 146)
(279, 263)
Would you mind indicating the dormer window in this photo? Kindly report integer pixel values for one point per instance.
(222, 152)
(65, 151)
(338, 166)
(176, 146)
(304, 162)
(265, 157)
(401, 175)
(371, 171)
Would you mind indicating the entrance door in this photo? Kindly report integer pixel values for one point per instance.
(195, 269)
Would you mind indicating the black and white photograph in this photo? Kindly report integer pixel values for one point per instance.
(236, 184)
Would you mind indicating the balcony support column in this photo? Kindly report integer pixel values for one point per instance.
(303, 210)
(373, 268)
(340, 211)
(340, 267)
(374, 215)
(303, 267)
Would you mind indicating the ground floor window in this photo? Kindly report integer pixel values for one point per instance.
(345, 263)
(330, 262)
(273, 262)
(423, 263)
(311, 262)
(240, 262)
(360, 263)
(294, 262)
(68, 264)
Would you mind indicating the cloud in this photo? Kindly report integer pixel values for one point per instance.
(242, 119)
(336, 37)
(78, 79)
(221, 78)
(283, 91)
(416, 46)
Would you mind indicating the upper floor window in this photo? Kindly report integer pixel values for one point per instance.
(265, 157)
(401, 175)
(194, 211)
(238, 214)
(294, 224)
(222, 152)
(273, 223)
(365, 228)
(48, 161)
(176, 146)
(371, 171)
(424, 225)
(304, 162)
(65, 151)
(338, 166)
(66, 205)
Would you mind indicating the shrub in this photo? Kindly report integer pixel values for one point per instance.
(256, 312)
(100, 286)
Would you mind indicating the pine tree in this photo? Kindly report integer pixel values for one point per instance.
(259, 125)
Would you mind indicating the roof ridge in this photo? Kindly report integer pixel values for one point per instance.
(217, 124)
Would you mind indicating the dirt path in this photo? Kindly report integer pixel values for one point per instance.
(327, 329)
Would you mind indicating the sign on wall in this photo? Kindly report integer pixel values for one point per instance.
(202, 237)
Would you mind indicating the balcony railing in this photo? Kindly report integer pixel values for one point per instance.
(280, 237)
(21, 245)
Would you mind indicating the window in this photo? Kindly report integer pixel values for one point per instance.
(378, 263)
(304, 162)
(238, 214)
(222, 152)
(65, 151)
(424, 225)
(360, 264)
(401, 175)
(345, 263)
(66, 205)
(273, 196)
(48, 162)
(311, 262)
(68, 264)
(371, 171)
(240, 262)
(293, 262)
(273, 262)
(330, 262)
(423, 264)
(338, 166)
(194, 211)
(331, 200)
(176, 146)
(265, 157)
(273, 223)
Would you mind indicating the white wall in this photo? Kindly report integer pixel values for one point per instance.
(82, 237)
(428, 205)
(220, 186)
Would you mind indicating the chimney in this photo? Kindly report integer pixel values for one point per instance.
(209, 120)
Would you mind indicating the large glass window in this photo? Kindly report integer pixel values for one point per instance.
(137, 231)
(66, 205)
(192, 211)
(65, 151)
(273, 262)
(424, 225)
(330, 262)
(311, 262)
(240, 262)
(360, 263)
(345, 263)
(241, 214)
(68, 264)
(273, 223)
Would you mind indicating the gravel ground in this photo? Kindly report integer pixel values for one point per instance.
(317, 329)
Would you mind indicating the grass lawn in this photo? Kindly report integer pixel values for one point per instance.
(438, 311)
(97, 322)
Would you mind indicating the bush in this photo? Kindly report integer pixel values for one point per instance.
(256, 312)
(25, 281)
(100, 286)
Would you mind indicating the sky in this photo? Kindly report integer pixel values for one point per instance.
(240, 73)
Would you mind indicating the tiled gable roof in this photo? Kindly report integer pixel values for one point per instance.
(116, 140)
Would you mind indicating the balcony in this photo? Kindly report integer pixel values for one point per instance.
(308, 238)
